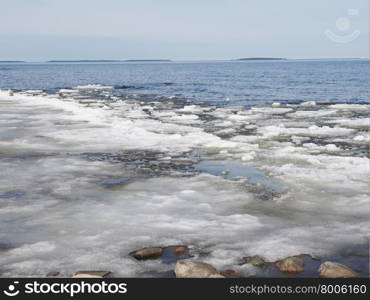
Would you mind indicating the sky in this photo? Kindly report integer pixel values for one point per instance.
(37, 30)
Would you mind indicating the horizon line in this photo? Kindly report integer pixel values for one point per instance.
(241, 59)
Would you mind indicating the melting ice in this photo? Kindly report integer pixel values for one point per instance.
(85, 180)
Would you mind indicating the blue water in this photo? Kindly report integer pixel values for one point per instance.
(224, 82)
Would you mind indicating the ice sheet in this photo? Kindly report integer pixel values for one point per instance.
(84, 183)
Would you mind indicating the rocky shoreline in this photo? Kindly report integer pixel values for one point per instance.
(186, 267)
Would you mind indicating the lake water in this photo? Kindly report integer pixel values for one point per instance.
(246, 83)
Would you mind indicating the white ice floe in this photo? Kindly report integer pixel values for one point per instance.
(248, 156)
(93, 87)
(362, 137)
(271, 110)
(353, 123)
(329, 147)
(314, 130)
(193, 109)
(68, 91)
(308, 103)
(350, 107)
(312, 113)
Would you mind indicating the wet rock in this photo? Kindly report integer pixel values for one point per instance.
(123, 87)
(179, 250)
(188, 269)
(216, 276)
(147, 253)
(256, 261)
(91, 274)
(228, 273)
(172, 254)
(52, 274)
(330, 269)
(293, 264)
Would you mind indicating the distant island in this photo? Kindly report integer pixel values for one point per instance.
(107, 60)
(11, 61)
(83, 60)
(262, 58)
(147, 60)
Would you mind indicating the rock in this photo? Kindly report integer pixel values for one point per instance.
(84, 275)
(147, 253)
(188, 269)
(256, 261)
(52, 274)
(179, 250)
(91, 274)
(228, 273)
(293, 264)
(216, 276)
(330, 269)
(172, 254)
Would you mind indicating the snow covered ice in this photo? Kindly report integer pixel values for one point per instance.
(85, 181)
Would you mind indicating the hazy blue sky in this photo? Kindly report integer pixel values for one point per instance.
(188, 29)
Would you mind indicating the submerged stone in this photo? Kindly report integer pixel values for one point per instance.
(172, 254)
(293, 264)
(52, 274)
(256, 261)
(229, 273)
(179, 250)
(147, 253)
